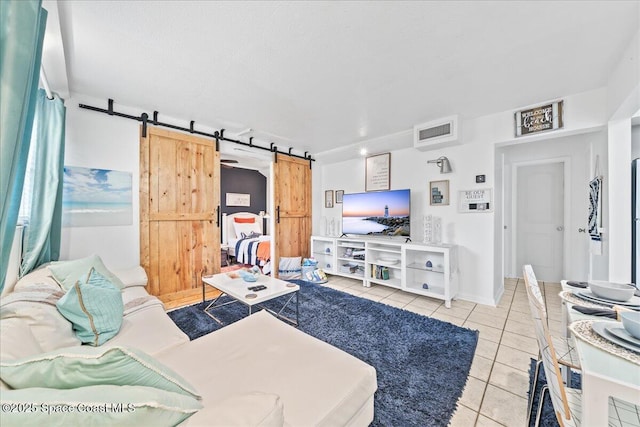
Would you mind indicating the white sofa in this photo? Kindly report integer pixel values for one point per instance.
(258, 371)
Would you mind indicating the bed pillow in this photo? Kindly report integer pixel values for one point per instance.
(94, 307)
(83, 366)
(244, 220)
(246, 228)
(100, 405)
(67, 273)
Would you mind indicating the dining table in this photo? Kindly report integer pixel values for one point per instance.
(607, 369)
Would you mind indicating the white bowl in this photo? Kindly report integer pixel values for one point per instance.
(631, 322)
(612, 291)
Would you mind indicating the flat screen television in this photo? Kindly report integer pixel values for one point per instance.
(379, 213)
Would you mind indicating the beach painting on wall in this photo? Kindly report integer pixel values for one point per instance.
(96, 197)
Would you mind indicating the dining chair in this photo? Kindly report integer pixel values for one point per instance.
(564, 347)
(567, 402)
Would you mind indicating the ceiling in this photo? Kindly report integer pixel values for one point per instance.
(326, 76)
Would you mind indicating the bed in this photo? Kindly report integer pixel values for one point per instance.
(243, 233)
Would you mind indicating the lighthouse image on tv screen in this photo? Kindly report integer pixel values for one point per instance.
(380, 213)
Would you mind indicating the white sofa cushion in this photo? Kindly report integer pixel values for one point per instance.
(34, 305)
(41, 275)
(318, 384)
(16, 340)
(145, 325)
(135, 276)
(243, 410)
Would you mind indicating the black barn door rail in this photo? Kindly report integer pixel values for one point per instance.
(217, 135)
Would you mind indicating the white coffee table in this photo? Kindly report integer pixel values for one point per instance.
(235, 287)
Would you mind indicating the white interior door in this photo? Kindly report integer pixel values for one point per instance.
(540, 220)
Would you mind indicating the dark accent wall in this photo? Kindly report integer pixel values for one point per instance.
(243, 181)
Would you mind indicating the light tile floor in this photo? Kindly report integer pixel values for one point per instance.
(496, 390)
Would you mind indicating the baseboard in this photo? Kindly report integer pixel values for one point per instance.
(476, 299)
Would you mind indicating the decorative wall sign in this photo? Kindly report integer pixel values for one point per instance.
(475, 201)
(238, 199)
(339, 194)
(539, 119)
(439, 193)
(96, 197)
(328, 199)
(378, 172)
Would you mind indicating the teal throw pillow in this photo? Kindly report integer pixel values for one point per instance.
(67, 273)
(82, 366)
(94, 307)
(101, 405)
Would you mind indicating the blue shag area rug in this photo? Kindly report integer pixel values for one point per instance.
(548, 416)
(422, 363)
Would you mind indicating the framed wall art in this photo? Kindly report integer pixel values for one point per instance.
(378, 172)
(475, 201)
(238, 199)
(328, 199)
(439, 193)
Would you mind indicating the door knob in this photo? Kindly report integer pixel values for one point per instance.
(559, 228)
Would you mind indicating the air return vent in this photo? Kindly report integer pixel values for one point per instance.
(436, 133)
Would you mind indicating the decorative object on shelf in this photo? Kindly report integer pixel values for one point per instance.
(443, 163)
(328, 199)
(378, 172)
(339, 194)
(439, 193)
(475, 201)
(428, 229)
(425, 286)
(437, 230)
(429, 265)
(327, 251)
(480, 179)
(539, 119)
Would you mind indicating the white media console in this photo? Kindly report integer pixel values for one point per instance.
(429, 270)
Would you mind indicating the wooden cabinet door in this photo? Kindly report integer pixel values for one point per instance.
(292, 199)
(179, 220)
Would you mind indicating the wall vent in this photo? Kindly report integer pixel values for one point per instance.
(436, 133)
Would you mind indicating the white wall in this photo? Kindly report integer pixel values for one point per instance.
(96, 140)
(478, 235)
(623, 90)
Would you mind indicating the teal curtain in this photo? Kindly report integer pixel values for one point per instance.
(22, 25)
(42, 234)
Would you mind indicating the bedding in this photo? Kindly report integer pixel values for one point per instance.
(253, 250)
(243, 233)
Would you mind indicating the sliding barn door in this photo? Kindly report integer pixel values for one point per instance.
(179, 203)
(292, 198)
